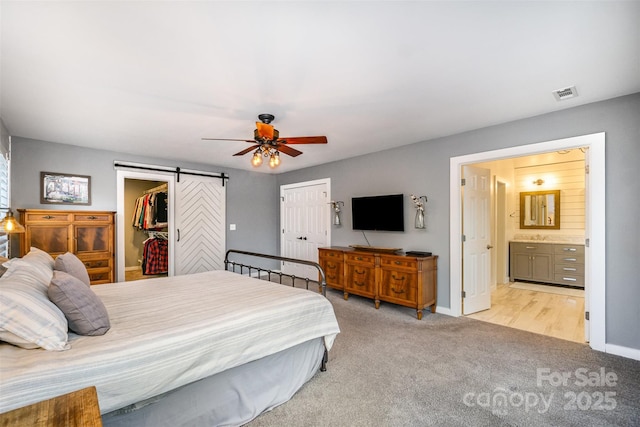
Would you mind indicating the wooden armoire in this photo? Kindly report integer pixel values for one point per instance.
(87, 234)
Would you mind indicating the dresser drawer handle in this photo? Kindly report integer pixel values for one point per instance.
(92, 217)
(401, 291)
(47, 217)
(569, 279)
(569, 269)
(358, 258)
(570, 259)
(358, 283)
(359, 272)
(530, 247)
(398, 263)
(397, 278)
(569, 249)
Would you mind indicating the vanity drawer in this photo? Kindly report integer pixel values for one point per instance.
(570, 279)
(536, 248)
(572, 269)
(568, 259)
(570, 250)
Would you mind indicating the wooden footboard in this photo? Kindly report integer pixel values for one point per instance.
(269, 274)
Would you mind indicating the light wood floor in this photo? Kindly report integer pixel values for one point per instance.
(137, 275)
(554, 315)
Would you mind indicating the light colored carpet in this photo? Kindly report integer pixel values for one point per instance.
(559, 290)
(389, 369)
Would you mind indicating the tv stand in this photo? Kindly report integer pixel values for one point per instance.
(397, 278)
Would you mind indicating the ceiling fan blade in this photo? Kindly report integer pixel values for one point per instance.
(246, 150)
(304, 140)
(229, 139)
(288, 150)
(265, 130)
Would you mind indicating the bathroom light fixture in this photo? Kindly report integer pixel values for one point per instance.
(539, 181)
(336, 211)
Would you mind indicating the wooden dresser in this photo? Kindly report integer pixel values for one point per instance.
(90, 235)
(410, 281)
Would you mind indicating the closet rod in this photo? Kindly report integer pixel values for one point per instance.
(161, 187)
(175, 170)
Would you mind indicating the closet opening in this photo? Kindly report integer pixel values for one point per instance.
(146, 235)
(131, 239)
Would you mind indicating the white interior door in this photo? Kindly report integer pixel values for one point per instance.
(305, 218)
(588, 212)
(200, 207)
(476, 246)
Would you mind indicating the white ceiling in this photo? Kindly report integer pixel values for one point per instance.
(153, 78)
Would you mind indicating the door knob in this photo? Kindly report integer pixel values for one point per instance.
(489, 246)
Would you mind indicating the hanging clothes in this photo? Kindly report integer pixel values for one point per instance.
(155, 256)
(150, 211)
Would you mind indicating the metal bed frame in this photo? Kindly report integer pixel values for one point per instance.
(231, 266)
(322, 283)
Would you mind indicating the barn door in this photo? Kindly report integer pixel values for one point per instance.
(305, 214)
(200, 206)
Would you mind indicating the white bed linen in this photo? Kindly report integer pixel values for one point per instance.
(168, 332)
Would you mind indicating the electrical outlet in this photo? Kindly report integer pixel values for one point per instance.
(232, 227)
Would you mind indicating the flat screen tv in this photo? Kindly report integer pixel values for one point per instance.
(380, 213)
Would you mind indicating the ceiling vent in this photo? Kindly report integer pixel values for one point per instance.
(566, 93)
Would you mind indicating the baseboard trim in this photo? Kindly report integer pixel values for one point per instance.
(443, 310)
(132, 268)
(618, 350)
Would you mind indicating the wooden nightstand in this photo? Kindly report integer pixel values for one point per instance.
(77, 409)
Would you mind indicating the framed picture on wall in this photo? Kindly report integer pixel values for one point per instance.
(65, 189)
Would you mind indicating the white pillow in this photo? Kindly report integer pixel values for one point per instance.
(27, 313)
(38, 262)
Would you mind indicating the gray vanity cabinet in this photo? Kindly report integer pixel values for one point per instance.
(532, 261)
(556, 263)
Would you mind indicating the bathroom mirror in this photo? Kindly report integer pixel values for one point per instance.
(540, 209)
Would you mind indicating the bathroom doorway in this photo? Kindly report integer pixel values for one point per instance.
(595, 273)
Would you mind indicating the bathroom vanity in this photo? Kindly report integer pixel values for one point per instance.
(555, 263)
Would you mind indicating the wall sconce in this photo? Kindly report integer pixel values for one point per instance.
(336, 211)
(417, 200)
(538, 181)
(10, 225)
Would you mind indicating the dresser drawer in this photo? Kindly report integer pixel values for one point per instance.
(360, 258)
(97, 263)
(41, 217)
(92, 217)
(398, 263)
(329, 253)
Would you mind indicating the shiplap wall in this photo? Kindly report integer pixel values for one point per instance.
(568, 177)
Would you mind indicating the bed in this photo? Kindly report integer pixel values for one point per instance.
(212, 348)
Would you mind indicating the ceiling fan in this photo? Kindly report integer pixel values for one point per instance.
(267, 142)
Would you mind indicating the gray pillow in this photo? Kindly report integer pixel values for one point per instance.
(69, 263)
(85, 312)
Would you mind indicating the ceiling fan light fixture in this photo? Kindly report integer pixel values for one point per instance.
(274, 160)
(256, 160)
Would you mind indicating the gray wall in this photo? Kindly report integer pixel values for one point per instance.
(245, 190)
(423, 169)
